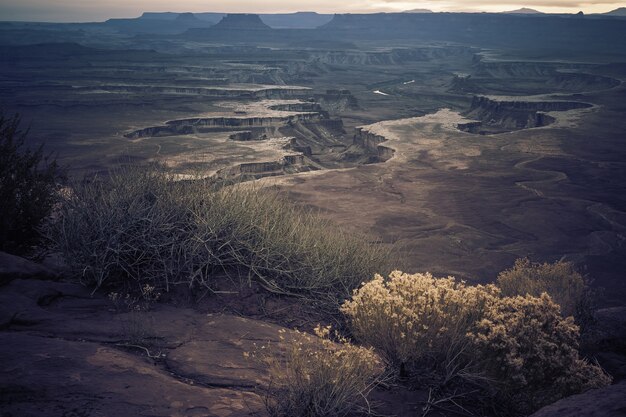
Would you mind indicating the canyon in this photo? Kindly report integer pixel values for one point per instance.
(458, 141)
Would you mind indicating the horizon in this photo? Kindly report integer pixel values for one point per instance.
(73, 11)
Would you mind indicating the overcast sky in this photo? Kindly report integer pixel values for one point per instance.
(98, 10)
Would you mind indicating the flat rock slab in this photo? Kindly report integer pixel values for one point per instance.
(604, 402)
(45, 376)
(66, 352)
(216, 355)
(14, 267)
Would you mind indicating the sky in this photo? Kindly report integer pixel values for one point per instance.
(99, 10)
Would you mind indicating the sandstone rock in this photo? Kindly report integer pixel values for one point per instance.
(45, 376)
(604, 402)
(14, 267)
(609, 341)
(216, 356)
(65, 351)
(612, 326)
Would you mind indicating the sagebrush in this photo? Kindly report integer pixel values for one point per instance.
(141, 227)
(416, 321)
(531, 352)
(566, 286)
(519, 350)
(318, 377)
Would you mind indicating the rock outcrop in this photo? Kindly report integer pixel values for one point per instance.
(207, 124)
(372, 143)
(609, 341)
(14, 267)
(241, 22)
(604, 402)
(64, 351)
(504, 115)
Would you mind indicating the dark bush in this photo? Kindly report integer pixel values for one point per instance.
(28, 188)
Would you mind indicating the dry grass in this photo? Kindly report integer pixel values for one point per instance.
(140, 227)
(320, 378)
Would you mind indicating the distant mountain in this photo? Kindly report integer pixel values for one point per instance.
(159, 15)
(241, 22)
(187, 18)
(169, 24)
(298, 20)
(418, 11)
(210, 16)
(617, 12)
(536, 32)
(523, 10)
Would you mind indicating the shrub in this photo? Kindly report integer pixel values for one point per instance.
(531, 352)
(28, 186)
(320, 378)
(129, 231)
(142, 227)
(416, 320)
(519, 349)
(565, 285)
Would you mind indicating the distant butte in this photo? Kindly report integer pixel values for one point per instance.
(524, 10)
(621, 11)
(418, 11)
(187, 17)
(245, 22)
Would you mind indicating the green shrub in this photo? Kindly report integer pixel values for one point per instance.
(531, 352)
(566, 286)
(28, 188)
(416, 321)
(320, 378)
(142, 227)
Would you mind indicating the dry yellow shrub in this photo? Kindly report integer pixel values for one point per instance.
(520, 350)
(321, 378)
(560, 280)
(531, 351)
(415, 318)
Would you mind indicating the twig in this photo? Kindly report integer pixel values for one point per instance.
(158, 355)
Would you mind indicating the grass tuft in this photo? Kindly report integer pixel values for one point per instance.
(318, 377)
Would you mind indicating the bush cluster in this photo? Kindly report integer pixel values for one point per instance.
(565, 285)
(413, 319)
(531, 352)
(28, 188)
(141, 227)
(318, 377)
(520, 348)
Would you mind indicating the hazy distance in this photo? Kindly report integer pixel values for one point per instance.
(97, 10)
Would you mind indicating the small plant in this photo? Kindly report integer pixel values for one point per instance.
(565, 285)
(320, 378)
(531, 352)
(128, 302)
(137, 329)
(28, 188)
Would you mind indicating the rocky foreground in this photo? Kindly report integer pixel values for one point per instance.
(67, 352)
